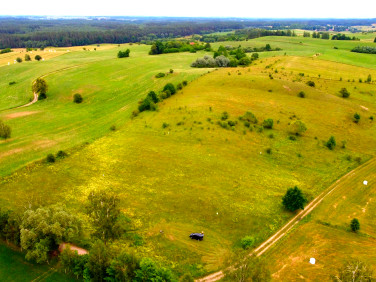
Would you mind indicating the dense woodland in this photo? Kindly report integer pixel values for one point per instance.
(36, 32)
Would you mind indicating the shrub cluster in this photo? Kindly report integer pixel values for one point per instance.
(123, 54)
(159, 47)
(5, 130)
(77, 98)
(364, 49)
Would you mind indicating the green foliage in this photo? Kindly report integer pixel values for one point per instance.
(40, 86)
(170, 87)
(50, 158)
(12, 82)
(147, 105)
(344, 93)
(6, 50)
(354, 225)
(38, 58)
(99, 261)
(77, 98)
(5, 130)
(103, 209)
(44, 229)
(10, 226)
(113, 127)
(298, 127)
(356, 118)
(73, 263)
(369, 79)
(331, 143)
(171, 71)
(123, 54)
(254, 56)
(149, 271)
(311, 83)
(364, 49)
(159, 75)
(224, 116)
(61, 155)
(294, 199)
(27, 58)
(268, 123)
(249, 117)
(122, 268)
(247, 242)
(301, 94)
(19, 60)
(249, 269)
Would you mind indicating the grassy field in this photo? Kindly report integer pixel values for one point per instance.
(193, 175)
(326, 236)
(14, 267)
(111, 88)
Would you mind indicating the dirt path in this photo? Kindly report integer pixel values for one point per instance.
(295, 220)
(79, 250)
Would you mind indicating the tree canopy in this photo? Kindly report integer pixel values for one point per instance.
(294, 199)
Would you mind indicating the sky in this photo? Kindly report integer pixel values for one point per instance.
(194, 8)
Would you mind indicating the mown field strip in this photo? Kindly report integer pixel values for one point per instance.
(359, 173)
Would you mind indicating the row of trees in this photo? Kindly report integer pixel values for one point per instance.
(364, 49)
(160, 47)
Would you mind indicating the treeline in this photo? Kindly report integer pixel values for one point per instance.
(159, 47)
(364, 49)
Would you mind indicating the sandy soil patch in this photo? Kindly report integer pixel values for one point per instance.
(20, 114)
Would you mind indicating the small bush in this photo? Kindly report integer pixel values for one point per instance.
(269, 151)
(19, 60)
(38, 58)
(171, 71)
(159, 75)
(344, 93)
(42, 96)
(356, 118)
(231, 123)
(170, 87)
(50, 158)
(77, 98)
(61, 155)
(224, 116)
(135, 113)
(185, 83)
(5, 130)
(292, 137)
(311, 83)
(301, 94)
(268, 123)
(355, 225)
(247, 242)
(249, 117)
(331, 143)
(179, 86)
(12, 83)
(165, 124)
(113, 128)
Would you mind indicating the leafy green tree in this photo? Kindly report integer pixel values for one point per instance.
(267, 47)
(27, 58)
(104, 211)
(42, 230)
(331, 143)
(325, 35)
(302, 94)
(157, 48)
(306, 34)
(123, 268)
(355, 225)
(149, 271)
(247, 242)
(38, 58)
(344, 93)
(268, 123)
(294, 199)
(77, 98)
(5, 130)
(355, 271)
(249, 117)
(356, 118)
(10, 226)
(99, 261)
(298, 127)
(254, 56)
(369, 79)
(170, 87)
(123, 54)
(40, 86)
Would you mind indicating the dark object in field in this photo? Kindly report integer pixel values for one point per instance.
(197, 236)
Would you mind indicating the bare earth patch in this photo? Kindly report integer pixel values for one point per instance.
(20, 114)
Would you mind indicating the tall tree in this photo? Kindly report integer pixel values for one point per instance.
(103, 209)
(294, 199)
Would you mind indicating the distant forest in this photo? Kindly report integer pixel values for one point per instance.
(16, 32)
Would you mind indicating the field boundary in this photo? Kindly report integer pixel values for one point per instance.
(291, 224)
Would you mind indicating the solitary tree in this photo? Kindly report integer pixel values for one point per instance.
(77, 98)
(5, 130)
(355, 225)
(356, 117)
(40, 86)
(294, 199)
(27, 57)
(268, 123)
(19, 60)
(38, 58)
(331, 143)
(298, 127)
(369, 78)
(344, 93)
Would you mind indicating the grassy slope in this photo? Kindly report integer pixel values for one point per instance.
(326, 235)
(110, 87)
(13, 267)
(176, 179)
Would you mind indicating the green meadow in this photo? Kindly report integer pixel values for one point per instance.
(176, 170)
